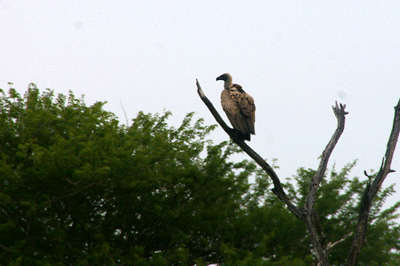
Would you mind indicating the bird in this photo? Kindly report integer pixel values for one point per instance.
(239, 108)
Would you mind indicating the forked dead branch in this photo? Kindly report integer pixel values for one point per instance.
(307, 212)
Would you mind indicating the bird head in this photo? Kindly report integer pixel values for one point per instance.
(227, 78)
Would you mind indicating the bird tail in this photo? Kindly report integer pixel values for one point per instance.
(241, 136)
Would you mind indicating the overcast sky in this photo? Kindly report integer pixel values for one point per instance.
(296, 58)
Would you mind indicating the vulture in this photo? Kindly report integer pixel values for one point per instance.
(239, 107)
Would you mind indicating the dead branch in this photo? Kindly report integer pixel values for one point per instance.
(316, 180)
(317, 236)
(372, 189)
(330, 245)
(278, 189)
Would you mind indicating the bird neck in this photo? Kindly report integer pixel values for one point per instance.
(228, 83)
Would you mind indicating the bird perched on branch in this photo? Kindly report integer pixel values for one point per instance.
(239, 107)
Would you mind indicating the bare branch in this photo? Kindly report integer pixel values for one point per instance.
(387, 160)
(340, 115)
(278, 189)
(316, 234)
(123, 109)
(367, 175)
(372, 189)
(330, 245)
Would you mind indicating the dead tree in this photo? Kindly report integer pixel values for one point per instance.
(307, 212)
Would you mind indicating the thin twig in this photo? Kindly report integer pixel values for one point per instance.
(330, 245)
(126, 118)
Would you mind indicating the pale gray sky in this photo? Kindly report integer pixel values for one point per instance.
(296, 58)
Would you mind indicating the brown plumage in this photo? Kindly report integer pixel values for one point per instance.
(239, 107)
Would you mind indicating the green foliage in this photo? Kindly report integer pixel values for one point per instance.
(78, 188)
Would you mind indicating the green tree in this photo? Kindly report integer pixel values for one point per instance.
(78, 188)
